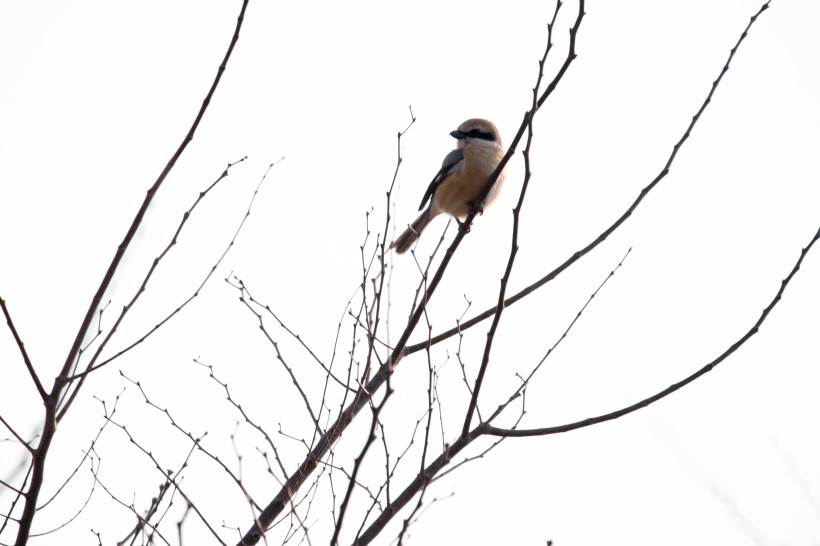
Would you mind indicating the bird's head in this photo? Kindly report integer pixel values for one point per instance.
(477, 131)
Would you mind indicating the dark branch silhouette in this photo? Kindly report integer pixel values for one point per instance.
(61, 382)
(615, 225)
(495, 431)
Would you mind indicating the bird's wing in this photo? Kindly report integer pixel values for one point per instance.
(451, 163)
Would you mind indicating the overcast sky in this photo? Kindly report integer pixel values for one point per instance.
(96, 96)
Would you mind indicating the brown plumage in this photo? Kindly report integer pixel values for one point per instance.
(461, 178)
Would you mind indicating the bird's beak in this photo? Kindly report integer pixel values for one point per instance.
(458, 134)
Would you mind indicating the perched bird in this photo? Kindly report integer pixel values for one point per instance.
(462, 176)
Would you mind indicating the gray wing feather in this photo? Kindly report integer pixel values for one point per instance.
(451, 163)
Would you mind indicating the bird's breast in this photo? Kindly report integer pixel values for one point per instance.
(464, 185)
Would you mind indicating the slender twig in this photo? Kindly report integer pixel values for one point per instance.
(22, 348)
(169, 476)
(152, 191)
(19, 494)
(424, 272)
(425, 449)
(357, 465)
(93, 365)
(252, 422)
(485, 429)
(334, 432)
(615, 225)
(52, 400)
(519, 391)
(87, 452)
(410, 491)
(144, 521)
(527, 120)
(495, 431)
(372, 325)
(391, 205)
(466, 438)
(79, 510)
(7, 485)
(248, 299)
(19, 438)
(505, 279)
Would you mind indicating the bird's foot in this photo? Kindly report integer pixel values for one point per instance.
(476, 206)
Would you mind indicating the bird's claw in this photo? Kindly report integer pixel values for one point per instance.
(476, 206)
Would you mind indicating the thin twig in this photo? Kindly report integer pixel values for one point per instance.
(93, 365)
(50, 419)
(505, 279)
(22, 348)
(334, 432)
(526, 380)
(615, 225)
(495, 431)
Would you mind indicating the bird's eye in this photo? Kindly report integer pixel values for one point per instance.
(475, 133)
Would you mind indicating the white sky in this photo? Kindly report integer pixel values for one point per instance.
(96, 96)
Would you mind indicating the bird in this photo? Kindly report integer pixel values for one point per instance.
(458, 184)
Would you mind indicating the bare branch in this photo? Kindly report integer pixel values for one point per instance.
(167, 475)
(615, 225)
(79, 510)
(467, 436)
(525, 380)
(247, 298)
(371, 437)
(19, 438)
(144, 521)
(87, 452)
(196, 442)
(22, 347)
(19, 494)
(51, 401)
(254, 534)
(92, 363)
(399, 160)
(485, 428)
(247, 418)
(494, 431)
(415, 486)
(502, 291)
(152, 191)
(529, 115)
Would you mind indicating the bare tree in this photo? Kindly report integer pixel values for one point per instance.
(341, 451)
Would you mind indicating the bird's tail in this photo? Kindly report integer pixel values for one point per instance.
(404, 241)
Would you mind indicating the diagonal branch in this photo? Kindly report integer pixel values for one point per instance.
(494, 431)
(334, 432)
(485, 429)
(467, 435)
(525, 380)
(93, 365)
(52, 399)
(19, 438)
(570, 56)
(22, 347)
(152, 191)
(502, 292)
(416, 485)
(606, 233)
